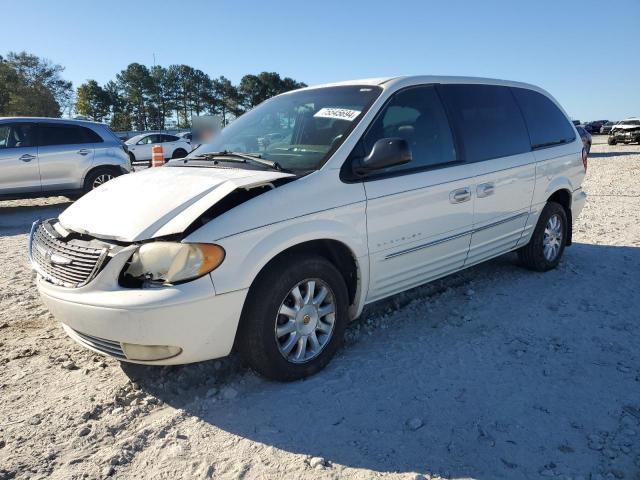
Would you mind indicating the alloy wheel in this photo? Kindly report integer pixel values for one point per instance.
(305, 321)
(100, 179)
(552, 240)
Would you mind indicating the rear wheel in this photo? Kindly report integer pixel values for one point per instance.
(98, 177)
(294, 318)
(544, 250)
(179, 153)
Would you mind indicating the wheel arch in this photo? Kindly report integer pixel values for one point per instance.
(336, 252)
(178, 149)
(113, 168)
(563, 197)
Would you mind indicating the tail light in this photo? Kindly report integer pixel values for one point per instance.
(584, 158)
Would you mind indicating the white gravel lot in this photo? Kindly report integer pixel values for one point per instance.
(496, 372)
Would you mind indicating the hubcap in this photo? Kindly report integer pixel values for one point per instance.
(100, 179)
(305, 321)
(552, 239)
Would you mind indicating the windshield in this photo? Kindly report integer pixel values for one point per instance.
(298, 130)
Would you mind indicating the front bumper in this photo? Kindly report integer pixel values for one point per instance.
(189, 316)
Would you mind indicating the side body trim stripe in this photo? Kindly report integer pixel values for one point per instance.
(453, 237)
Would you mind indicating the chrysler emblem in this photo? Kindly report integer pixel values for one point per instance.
(53, 258)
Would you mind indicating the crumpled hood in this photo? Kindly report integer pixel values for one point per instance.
(157, 201)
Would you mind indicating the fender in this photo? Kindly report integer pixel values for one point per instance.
(248, 252)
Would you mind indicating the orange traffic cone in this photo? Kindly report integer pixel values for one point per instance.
(157, 156)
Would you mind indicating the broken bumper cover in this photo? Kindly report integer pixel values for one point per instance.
(178, 324)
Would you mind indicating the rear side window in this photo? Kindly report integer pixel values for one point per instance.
(16, 135)
(546, 123)
(66, 135)
(170, 138)
(417, 115)
(91, 136)
(488, 120)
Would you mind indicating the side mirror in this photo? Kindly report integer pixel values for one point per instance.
(386, 152)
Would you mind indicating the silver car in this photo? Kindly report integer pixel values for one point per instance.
(48, 156)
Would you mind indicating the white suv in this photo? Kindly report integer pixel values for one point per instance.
(172, 146)
(299, 213)
(49, 156)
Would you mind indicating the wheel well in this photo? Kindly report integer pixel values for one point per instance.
(111, 168)
(179, 150)
(563, 197)
(334, 251)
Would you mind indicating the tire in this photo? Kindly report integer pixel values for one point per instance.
(533, 255)
(611, 141)
(97, 177)
(132, 158)
(272, 293)
(179, 153)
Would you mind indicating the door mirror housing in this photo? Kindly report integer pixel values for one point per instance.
(386, 152)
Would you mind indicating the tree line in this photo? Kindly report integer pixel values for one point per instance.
(31, 86)
(139, 98)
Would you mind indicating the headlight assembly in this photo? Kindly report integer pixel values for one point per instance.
(171, 262)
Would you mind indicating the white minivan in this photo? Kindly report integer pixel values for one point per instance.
(274, 236)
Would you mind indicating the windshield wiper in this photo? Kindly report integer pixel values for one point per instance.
(241, 157)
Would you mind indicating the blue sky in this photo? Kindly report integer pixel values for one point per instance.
(583, 52)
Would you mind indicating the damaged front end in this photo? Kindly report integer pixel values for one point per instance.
(132, 217)
(627, 135)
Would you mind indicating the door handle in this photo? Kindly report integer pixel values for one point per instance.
(84, 151)
(27, 158)
(460, 195)
(485, 189)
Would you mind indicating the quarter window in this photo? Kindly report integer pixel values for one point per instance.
(16, 136)
(91, 136)
(415, 114)
(488, 120)
(546, 123)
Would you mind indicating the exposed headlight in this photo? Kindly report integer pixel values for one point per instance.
(170, 262)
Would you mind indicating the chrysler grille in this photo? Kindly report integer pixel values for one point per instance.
(68, 264)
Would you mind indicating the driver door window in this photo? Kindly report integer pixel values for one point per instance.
(416, 115)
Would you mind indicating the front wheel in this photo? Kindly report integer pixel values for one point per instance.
(611, 141)
(549, 238)
(294, 318)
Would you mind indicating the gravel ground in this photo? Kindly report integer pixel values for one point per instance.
(496, 372)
